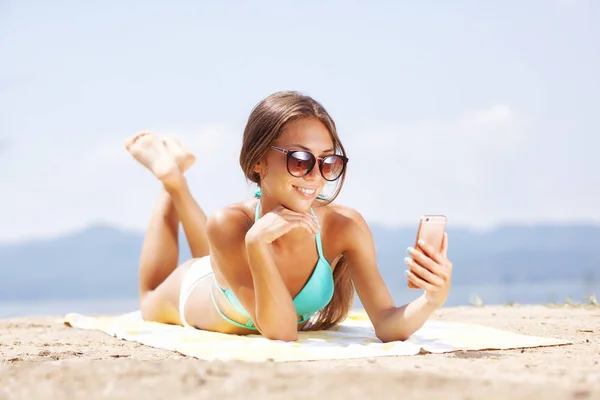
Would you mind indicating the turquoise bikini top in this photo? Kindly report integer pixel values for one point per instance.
(314, 296)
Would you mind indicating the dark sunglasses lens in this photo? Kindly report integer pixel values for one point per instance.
(332, 167)
(300, 163)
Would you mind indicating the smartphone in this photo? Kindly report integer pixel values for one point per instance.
(431, 230)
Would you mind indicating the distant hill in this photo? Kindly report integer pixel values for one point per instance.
(101, 262)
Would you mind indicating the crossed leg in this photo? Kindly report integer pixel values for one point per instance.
(159, 276)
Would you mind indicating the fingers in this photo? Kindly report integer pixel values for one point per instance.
(280, 226)
(420, 283)
(426, 262)
(309, 219)
(435, 255)
(444, 249)
(423, 273)
(280, 221)
(298, 220)
(309, 225)
(310, 222)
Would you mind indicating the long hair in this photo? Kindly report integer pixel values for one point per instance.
(265, 124)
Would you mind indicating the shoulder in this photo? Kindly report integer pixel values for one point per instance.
(345, 217)
(348, 224)
(226, 231)
(230, 222)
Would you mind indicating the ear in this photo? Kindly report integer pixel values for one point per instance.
(258, 167)
(261, 166)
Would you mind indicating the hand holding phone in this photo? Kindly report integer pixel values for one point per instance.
(429, 267)
(431, 230)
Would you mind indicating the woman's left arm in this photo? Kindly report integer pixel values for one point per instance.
(430, 270)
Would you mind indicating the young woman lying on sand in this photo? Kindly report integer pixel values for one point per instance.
(288, 259)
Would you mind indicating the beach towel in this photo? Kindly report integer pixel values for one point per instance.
(353, 338)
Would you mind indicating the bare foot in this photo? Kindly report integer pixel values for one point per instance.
(183, 156)
(152, 154)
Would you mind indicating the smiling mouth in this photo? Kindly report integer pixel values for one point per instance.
(306, 192)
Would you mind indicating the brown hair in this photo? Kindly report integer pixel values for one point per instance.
(265, 124)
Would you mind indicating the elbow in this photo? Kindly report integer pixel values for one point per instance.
(398, 336)
(279, 331)
(390, 328)
(282, 336)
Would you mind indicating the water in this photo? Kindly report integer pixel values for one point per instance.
(521, 293)
(545, 293)
(62, 307)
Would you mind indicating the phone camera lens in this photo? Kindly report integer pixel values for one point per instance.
(426, 219)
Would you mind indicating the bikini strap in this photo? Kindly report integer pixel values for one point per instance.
(247, 325)
(257, 212)
(318, 238)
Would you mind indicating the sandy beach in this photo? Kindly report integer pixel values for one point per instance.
(40, 357)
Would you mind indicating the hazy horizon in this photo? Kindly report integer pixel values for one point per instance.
(140, 231)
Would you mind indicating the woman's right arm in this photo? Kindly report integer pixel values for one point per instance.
(275, 313)
(244, 259)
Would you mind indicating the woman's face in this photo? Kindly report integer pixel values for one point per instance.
(297, 194)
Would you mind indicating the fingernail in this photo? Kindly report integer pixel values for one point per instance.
(407, 260)
(406, 273)
(410, 250)
(421, 242)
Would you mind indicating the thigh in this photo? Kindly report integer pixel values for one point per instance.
(200, 311)
(162, 303)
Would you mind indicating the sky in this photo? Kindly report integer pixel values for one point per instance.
(486, 112)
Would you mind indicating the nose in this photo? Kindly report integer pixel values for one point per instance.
(314, 175)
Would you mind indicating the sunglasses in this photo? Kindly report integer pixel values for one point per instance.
(300, 163)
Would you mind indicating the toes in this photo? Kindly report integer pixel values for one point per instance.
(170, 145)
(188, 161)
(174, 146)
(172, 141)
(131, 141)
(182, 155)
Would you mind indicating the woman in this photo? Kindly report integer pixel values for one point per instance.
(288, 259)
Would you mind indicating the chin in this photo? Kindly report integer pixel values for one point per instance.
(301, 199)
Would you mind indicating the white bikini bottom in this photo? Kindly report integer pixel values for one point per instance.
(199, 270)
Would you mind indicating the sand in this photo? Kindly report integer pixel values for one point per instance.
(42, 358)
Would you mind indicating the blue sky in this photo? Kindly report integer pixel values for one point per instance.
(483, 111)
